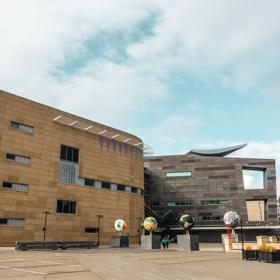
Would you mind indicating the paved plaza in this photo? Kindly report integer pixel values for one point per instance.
(211, 263)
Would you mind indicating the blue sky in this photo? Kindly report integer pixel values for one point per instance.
(179, 74)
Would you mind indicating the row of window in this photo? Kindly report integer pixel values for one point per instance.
(109, 186)
(23, 127)
(18, 158)
(179, 203)
(20, 222)
(213, 218)
(214, 202)
(179, 174)
(12, 222)
(190, 202)
(15, 186)
(69, 174)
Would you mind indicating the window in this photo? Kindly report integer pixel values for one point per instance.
(20, 159)
(89, 182)
(127, 189)
(91, 230)
(179, 203)
(68, 172)
(66, 206)
(15, 186)
(69, 153)
(106, 185)
(12, 222)
(98, 184)
(21, 126)
(256, 210)
(179, 174)
(215, 202)
(212, 218)
(253, 178)
(121, 188)
(134, 190)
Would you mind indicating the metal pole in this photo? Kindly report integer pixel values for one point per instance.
(98, 233)
(139, 228)
(242, 238)
(45, 226)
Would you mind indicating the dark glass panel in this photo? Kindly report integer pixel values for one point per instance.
(7, 185)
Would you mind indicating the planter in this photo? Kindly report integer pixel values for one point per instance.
(249, 255)
(269, 257)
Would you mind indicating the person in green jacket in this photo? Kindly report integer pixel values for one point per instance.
(165, 242)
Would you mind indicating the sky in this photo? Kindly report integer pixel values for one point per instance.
(178, 74)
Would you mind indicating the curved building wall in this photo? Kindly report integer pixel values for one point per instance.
(104, 177)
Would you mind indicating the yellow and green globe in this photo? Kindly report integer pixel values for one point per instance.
(150, 224)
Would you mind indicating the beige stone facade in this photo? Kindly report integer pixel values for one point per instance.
(32, 160)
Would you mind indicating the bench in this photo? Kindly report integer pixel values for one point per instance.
(54, 245)
(78, 244)
(37, 245)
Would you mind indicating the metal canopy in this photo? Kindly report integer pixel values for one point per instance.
(218, 152)
(95, 129)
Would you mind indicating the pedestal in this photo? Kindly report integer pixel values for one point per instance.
(228, 240)
(120, 241)
(150, 242)
(262, 240)
(188, 242)
(234, 236)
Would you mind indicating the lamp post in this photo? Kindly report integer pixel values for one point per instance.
(242, 238)
(99, 217)
(45, 226)
(139, 229)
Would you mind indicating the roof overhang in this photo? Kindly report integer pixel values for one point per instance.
(218, 152)
(99, 130)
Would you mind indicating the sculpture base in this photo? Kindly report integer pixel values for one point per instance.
(188, 242)
(150, 242)
(120, 241)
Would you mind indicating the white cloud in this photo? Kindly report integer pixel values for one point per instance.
(211, 41)
(230, 43)
(171, 133)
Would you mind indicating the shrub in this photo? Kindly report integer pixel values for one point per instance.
(267, 248)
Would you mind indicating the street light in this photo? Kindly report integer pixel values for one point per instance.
(139, 229)
(99, 217)
(242, 238)
(45, 227)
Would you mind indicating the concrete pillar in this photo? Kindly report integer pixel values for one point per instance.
(228, 240)
(262, 240)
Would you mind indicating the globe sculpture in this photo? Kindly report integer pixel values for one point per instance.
(231, 219)
(186, 222)
(120, 225)
(150, 224)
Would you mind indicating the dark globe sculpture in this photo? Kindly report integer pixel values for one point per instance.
(186, 222)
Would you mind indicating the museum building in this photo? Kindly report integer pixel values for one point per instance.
(206, 184)
(67, 171)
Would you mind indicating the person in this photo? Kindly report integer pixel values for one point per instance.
(165, 242)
